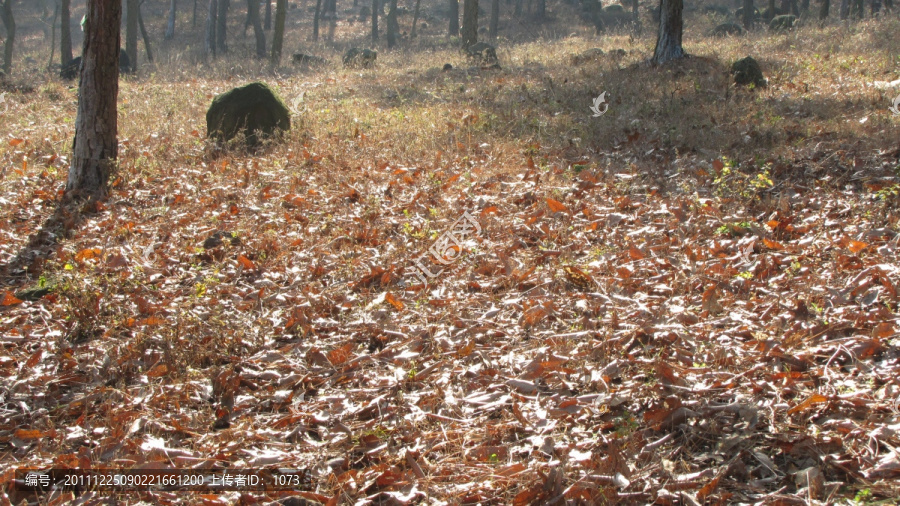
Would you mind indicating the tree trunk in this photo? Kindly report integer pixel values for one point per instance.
(671, 26)
(278, 36)
(541, 9)
(859, 9)
(131, 32)
(10, 24)
(316, 16)
(454, 19)
(53, 36)
(889, 5)
(170, 24)
(517, 10)
(65, 33)
(823, 11)
(494, 24)
(749, 20)
(412, 33)
(845, 10)
(253, 12)
(392, 27)
(470, 23)
(374, 22)
(221, 27)
(268, 22)
(95, 147)
(804, 8)
(211, 23)
(194, 16)
(145, 36)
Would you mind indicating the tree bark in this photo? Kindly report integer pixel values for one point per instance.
(316, 17)
(170, 24)
(194, 16)
(470, 23)
(412, 33)
(131, 32)
(253, 13)
(392, 27)
(494, 24)
(541, 9)
(278, 36)
(845, 9)
(211, 23)
(145, 36)
(53, 36)
(374, 22)
(95, 147)
(748, 18)
(453, 30)
(804, 8)
(859, 9)
(671, 27)
(65, 33)
(9, 23)
(268, 22)
(221, 27)
(823, 10)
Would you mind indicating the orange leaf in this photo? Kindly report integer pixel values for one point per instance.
(151, 321)
(489, 210)
(466, 349)
(390, 299)
(34, 359)
(557, 206)
(158, 371)
(246, 262)
(87, 254)
(16, 142)
(772, 244)
(857, 246)
(340, 355)
(28, 434)
(635, 253)
(10, 299)
(718, 166)
(814, 399)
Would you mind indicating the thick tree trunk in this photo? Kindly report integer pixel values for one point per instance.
(392, 27)
(9, 23)
(494, 24)
(221, 27)
(268, 22)
(170, 23)
(253, 12)
(823, 11)
(470, 23)
(278, 36)
(211, 23)
(316, 16)
(374, 21)
(95, 147)
(671, 26)
(412, 33)
(145, 36)
(131, 32)
(65, 33)
(453, 30)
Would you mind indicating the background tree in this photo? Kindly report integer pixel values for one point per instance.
(470, 23)
(392, 26)
(65, 33)
(96, 146)
(194, 16)
(453, 30)
(211, 23)
(671, 27)
(253, 13)
(278, 36)
(170, 23)
(268, 23)
(823, 10)
(144, 35)
(412, 33)
(10, 24)
(221, 27)
(749, 14)
(494, 24)
(316, 16)
(131, 32)
(375, 21)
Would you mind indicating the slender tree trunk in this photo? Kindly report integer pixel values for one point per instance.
(65, 33)
(749, 19)
(412, 33)
(170, 24)
(278, 36)
(131, 32)
(823, 10)
(392, 27)
(374, 22)
(95, 147)
(145, 36)
(316, 16)
(453, 31)
(671, 26)
(517, 10)
(541, 9)
(470, 23)
(253, 13)
(804, 8)
(221, 27)
(845, 10)
(494, 24)
(211, 24)
(194, 16)
(9, 23)
(268, 22)
(859, 9)
(53, 36)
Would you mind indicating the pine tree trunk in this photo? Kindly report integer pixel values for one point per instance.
(412, 33)
(65, 33)
(9, 23)
(316, 16)
(823, 11)
(470, 23)
(253, 14)
(494, 24)
(170, 24)
(454, 19)
(221, 27)
(131, 32)
(145, 36)
(211, 24)
(374, 22)
(278, 36)
(268, 23)
(95, 147)
(392, 27)
(671, 26)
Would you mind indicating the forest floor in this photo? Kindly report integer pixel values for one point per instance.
(689, 299)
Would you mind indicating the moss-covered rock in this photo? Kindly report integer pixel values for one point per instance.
(254, 110)
(747, 71)
(356, 57)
